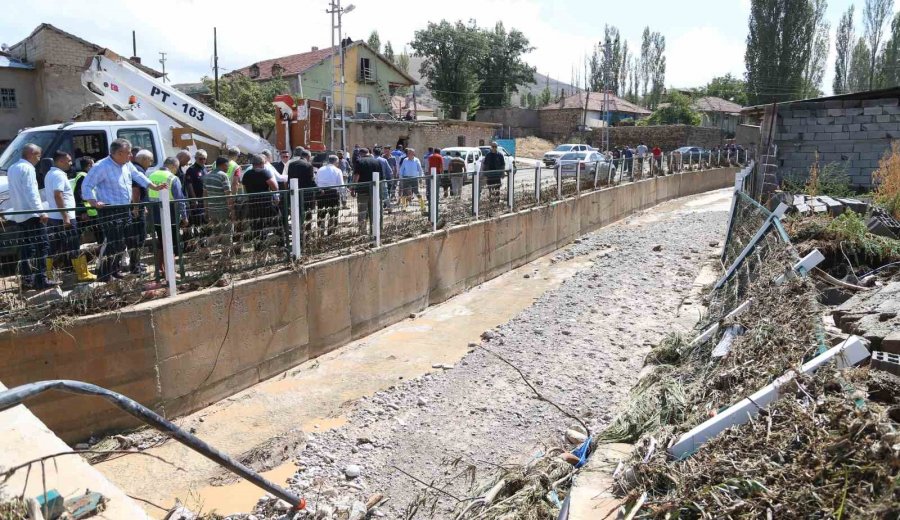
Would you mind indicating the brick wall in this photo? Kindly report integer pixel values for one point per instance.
(58, 61)
(852, 133)
(559, 124)
(420, 136)
(668, 137)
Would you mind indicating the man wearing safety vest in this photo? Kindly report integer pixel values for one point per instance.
(234, 170)
(167, 175)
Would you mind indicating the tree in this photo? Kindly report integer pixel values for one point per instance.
(624, 69)
(858, 74)
(501, 70)
(389, 52)
(532, 102)
(779, 46)
(249, 102)
(814, 72)
(646, 60)
(889, 62)
(546, 95)
(727, 87)
(875, 14)
(402, 63)
(523, 100)
(606, 62)
(843, 46)
(374, 41)
(678, 112)
(657, 68)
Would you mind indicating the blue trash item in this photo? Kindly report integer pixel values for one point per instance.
(582, 452)
(87, 505)
(52, 504)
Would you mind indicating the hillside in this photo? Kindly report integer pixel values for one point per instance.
(423, 95)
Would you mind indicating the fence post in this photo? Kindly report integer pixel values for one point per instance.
(537, 185)
(296, 217)
(510, 189)
(578, 178)
(433, 206)
(168, 250)
(558, 170)
(476, 192)
(375, 197)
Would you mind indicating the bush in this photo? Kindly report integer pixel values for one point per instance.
(678, 112)
(887, 180)
(831, 180)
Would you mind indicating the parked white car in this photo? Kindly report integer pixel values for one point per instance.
(507, 158)
(471, 154)
(552, 156)
(590, 163)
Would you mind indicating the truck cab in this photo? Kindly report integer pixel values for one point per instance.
(79, 140)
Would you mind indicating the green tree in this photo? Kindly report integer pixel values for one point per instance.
(451, 60)
(532, 101)
(875, 14)
(678, 112)
(402, 63)
(843, 44)
(606, 62)
(646, 61)
(657, 68)
(779, 45)
(502, 71)
(858, 75)
(727, 87)
(374, 41)
(389, 52)
(523, 100)
(889, 62)
(249, 102)
(814, 72)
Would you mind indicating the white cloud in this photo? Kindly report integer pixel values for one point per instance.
(696, 56)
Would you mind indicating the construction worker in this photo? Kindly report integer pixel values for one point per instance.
(234, 170)
(167, 175)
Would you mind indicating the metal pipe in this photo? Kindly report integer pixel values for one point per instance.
(18, 395)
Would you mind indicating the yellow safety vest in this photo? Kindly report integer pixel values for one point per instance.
(73, 182)
(160, 177)
(232, 167)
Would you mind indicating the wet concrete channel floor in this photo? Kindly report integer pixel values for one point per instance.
(312, 396)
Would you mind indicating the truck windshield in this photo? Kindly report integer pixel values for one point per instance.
(13, 152)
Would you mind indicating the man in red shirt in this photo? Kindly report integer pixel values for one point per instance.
(436, 161)
(657, 160)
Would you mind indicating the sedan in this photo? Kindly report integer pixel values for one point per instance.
(693, 153)
(591, 163)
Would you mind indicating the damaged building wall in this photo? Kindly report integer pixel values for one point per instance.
(850, 133)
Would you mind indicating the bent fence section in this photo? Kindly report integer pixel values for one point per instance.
(181, 353)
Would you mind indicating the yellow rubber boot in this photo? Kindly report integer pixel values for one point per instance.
(81, 270)
(49, 263)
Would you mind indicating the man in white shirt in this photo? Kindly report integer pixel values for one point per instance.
(280, 178)
(331, 179)
(410, 172)
(24, 195)
(642, 152)
(65, 243)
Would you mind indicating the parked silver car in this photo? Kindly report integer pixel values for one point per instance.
(591, 162)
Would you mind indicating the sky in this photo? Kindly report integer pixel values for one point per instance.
(705, 38)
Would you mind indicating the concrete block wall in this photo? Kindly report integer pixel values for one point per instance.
(853, 134)
(180, 354)
(420, 136)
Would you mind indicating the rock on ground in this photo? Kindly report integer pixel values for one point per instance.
(582, 345)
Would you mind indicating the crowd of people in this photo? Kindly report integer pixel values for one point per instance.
(117, 198)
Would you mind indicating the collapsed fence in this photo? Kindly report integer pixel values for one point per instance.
(155, 249)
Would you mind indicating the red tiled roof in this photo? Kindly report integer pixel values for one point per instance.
(595, 102)
(291, 65)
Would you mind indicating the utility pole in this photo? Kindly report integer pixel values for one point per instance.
(337, 70)
(133, 44)
(606, 59)
(162, 61)
(216, 64)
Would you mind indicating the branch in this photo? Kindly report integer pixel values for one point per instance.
(428, 485)
(538, 394)
(9, 472)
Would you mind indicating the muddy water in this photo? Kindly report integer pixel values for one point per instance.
(310, 397)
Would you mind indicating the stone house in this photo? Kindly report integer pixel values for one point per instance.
(719, 113)
(371, 79)
(851, 131)
(585, 111)
(41, 76)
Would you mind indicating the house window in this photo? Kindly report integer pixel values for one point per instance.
(8, 98)
(460, 140)
(362, 105)
(366, 72)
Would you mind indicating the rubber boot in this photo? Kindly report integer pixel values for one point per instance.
(49, 263)
(81, 270)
